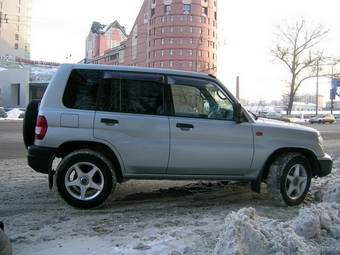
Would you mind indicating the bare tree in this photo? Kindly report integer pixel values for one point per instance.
(297, 47)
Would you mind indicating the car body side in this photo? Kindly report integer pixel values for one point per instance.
(252, 145)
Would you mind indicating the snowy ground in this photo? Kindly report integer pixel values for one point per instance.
(170, 217)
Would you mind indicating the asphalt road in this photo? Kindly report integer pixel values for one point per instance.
(12, 146)
(11, 142)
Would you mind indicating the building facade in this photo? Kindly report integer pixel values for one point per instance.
(15, 29)
(174, 34)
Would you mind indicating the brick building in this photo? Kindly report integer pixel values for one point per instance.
(174, 34)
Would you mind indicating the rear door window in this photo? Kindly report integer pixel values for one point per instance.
(132, 93)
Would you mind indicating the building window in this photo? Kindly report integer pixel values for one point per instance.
(167, 9)
(16, 46)
(186, 8)
(191, 40)
(181, 29)
(171, 40)
(171, 52)
(191, 29)
(191, 52)
(204, 11)
(181, 17)
(181, 40)
(180, 52)
(191, 18)
(200, 31)
(162, 29)
(162, 52)
(190, 64)
(162, 64)
(180, 64)
(162, 41)
(171, 29)
(172, 18)
(170, 64)
(16, 37)
(163, 19)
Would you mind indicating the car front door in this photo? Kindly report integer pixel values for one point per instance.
(205, 138)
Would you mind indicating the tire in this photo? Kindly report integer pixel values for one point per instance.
(29, 122)
(85, 178)
(289, 179)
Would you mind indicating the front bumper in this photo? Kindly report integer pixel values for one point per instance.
(326, 164)
(40, 158)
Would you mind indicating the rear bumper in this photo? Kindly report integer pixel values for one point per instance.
(326, 164)
(40, 158)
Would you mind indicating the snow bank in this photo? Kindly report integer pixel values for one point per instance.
(310, 232)
(14, 113)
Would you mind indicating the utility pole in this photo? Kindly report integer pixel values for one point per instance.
(317, 88)
(199, 43)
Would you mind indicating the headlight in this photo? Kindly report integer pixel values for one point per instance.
(320, 138)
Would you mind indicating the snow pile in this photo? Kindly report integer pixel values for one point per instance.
(309, 233)
(14, 113)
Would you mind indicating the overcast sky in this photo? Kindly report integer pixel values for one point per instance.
(245, 35)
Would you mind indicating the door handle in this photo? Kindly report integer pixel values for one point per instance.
(109, 122)
(184, 126)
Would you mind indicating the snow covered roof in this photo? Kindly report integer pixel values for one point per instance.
(98, 28)
(42, 75)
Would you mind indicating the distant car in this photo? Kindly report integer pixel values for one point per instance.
(3, 114)
(322, 119)
(274, 116)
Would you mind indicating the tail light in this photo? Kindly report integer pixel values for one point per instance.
(40, 128)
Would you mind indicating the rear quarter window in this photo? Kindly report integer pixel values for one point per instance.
(81, 89)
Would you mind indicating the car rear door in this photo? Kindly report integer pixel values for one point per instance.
(131, 119)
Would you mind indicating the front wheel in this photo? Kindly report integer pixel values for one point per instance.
(289, 179)
(85, 178)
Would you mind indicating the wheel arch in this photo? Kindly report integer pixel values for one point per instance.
(70, 146)
(309, 155)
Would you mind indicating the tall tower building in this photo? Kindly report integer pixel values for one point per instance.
(15, 29)
(174, 34)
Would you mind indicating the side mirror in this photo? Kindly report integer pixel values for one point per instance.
(238, 116)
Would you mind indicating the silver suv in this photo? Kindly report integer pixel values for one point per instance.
(108, 124)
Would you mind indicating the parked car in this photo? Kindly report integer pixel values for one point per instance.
(3, 113)
(274, 116)
(109, 124)
(322, 119)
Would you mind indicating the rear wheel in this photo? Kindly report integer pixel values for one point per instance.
(28, 124)
(289, 179)
(85, 178)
